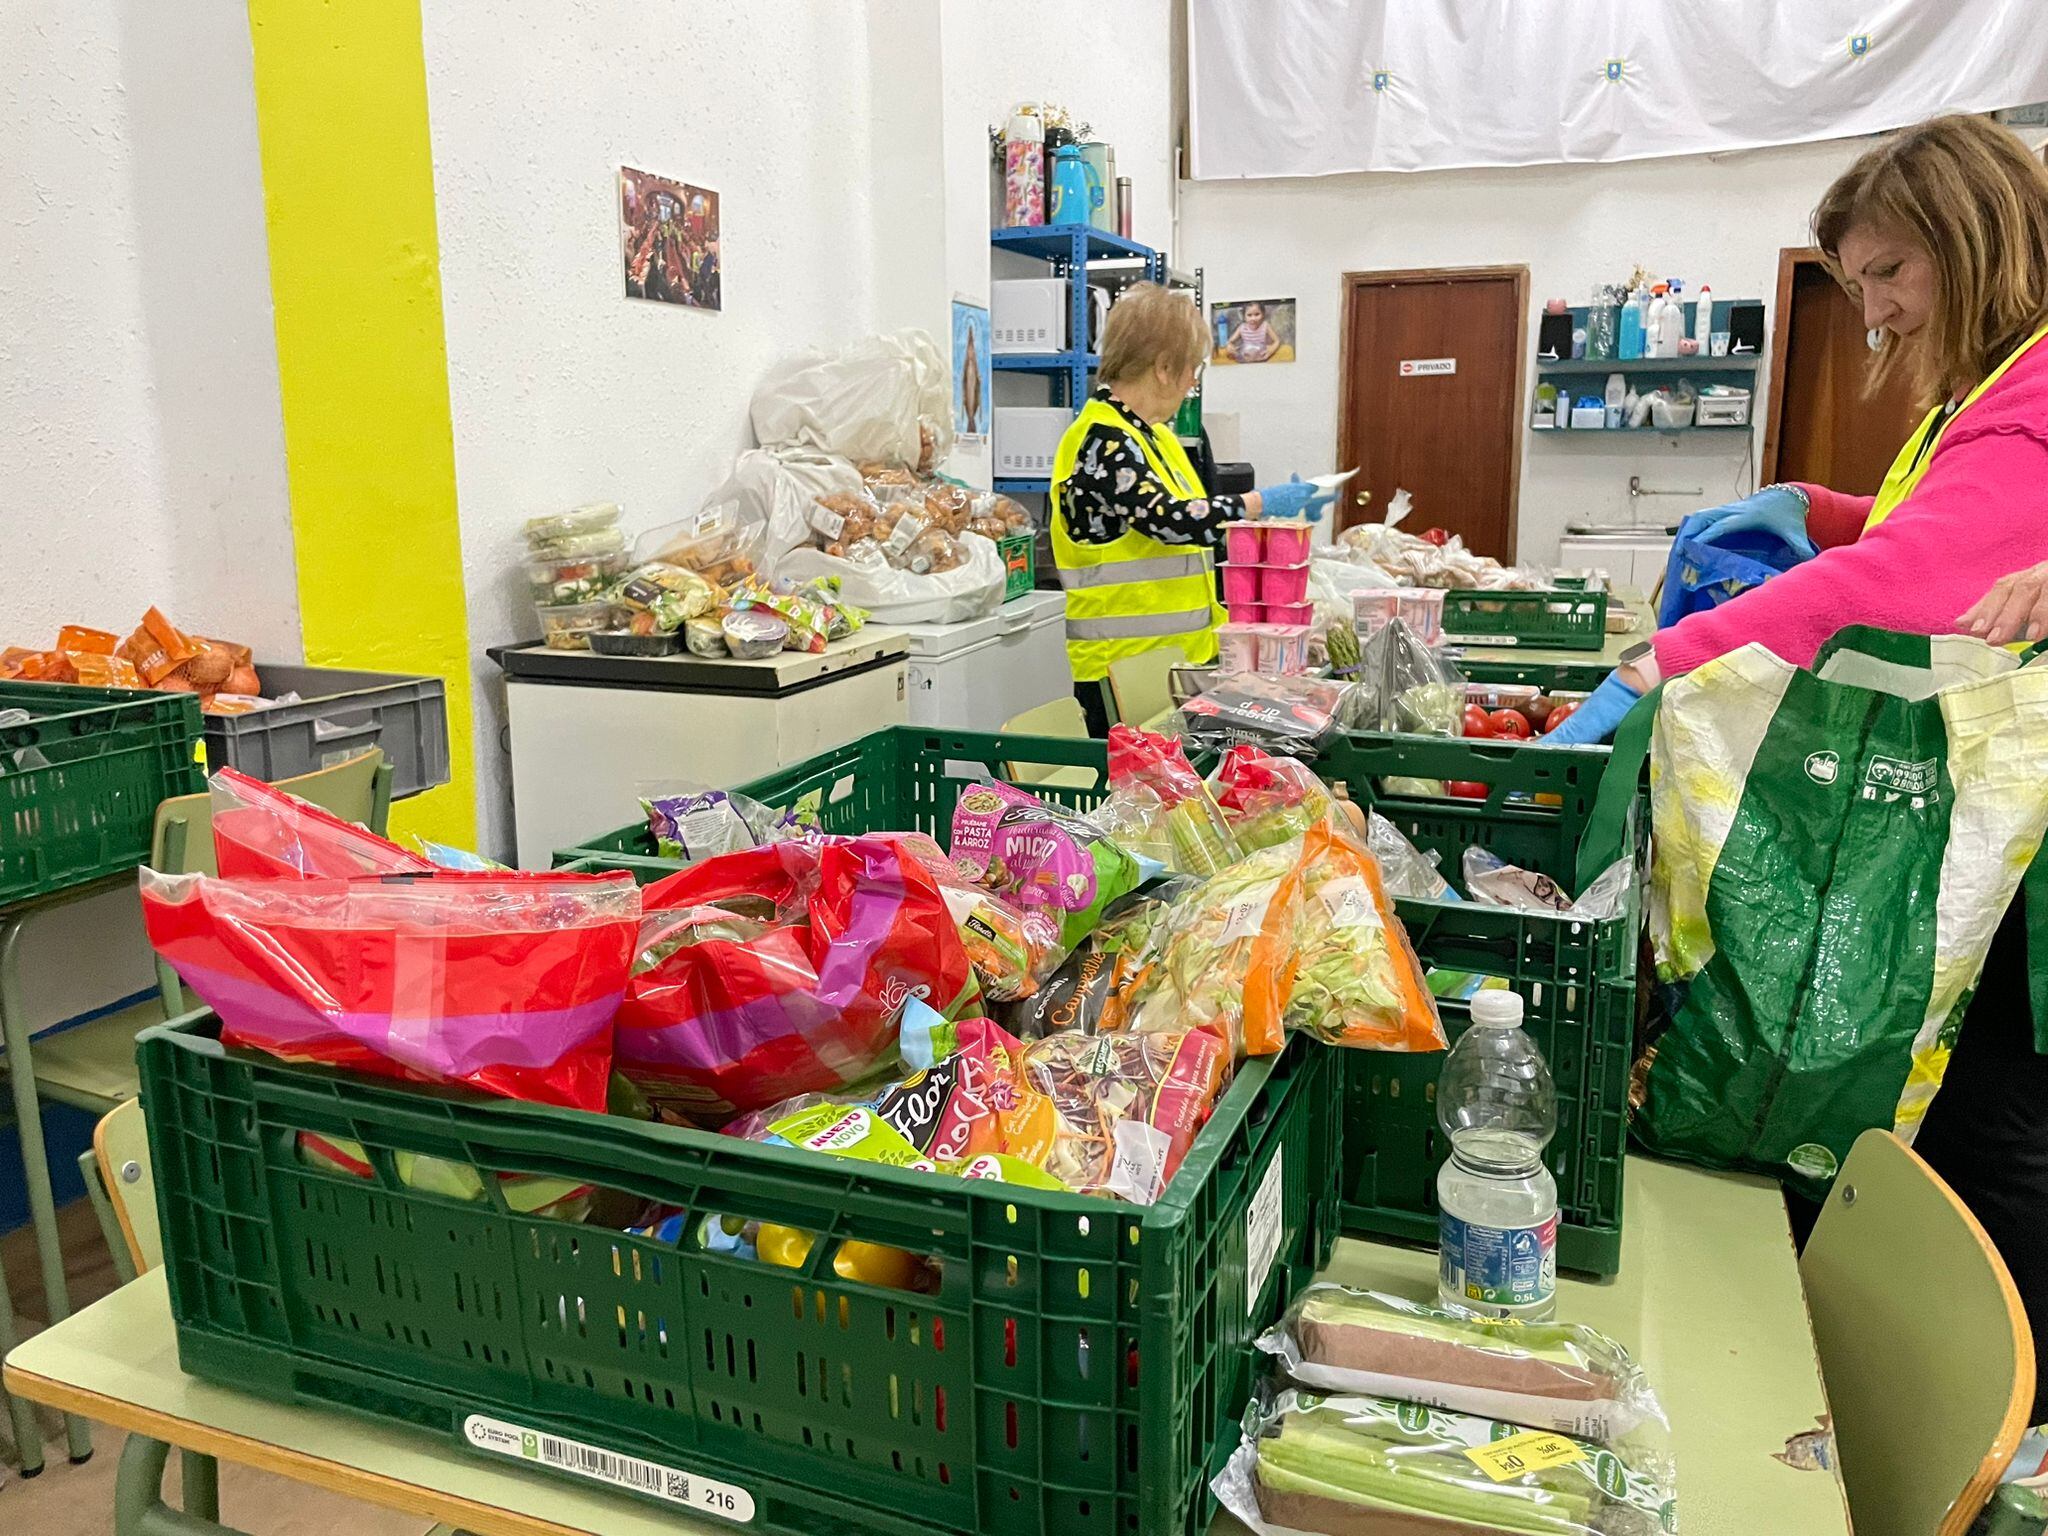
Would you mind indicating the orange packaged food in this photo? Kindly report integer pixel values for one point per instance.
(96, 670)
(81, 640)
(15, 659)
(158, 648)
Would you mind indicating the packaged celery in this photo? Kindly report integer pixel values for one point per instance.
(1562, 1376)
(1365, 1466)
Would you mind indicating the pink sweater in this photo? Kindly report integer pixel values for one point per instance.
(1979, 513)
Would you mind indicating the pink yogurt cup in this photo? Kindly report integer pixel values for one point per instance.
(1290, 613)
(1286, 543)
(1283, 584)
(1241, 584)
(1247, 613)
(1244, 543)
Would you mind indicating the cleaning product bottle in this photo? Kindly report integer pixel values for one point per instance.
(1496, 1201)
(1703, 318)
(1617, 398)
(1631, 343)
(1628, 408)
(1672, 327)
(1653, 321)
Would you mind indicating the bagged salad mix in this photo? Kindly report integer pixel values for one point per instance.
(1363, 1465)
(1088, 991)
(508, 983)
(783, 970)
(1159, 807)
(1266, 799)
(1562, 1376)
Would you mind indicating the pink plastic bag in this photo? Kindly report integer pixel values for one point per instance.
(261, 832)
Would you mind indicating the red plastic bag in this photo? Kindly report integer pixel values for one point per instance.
(506, 983)
(784, 970)
(261, 832)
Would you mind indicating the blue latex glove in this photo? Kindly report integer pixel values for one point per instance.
(1294, 497)
(1595, 720)
(1776, 509)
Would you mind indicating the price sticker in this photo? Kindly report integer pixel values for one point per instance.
(1530, 1451)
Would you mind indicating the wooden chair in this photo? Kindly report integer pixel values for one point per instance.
(1141, 687)
(91, 1066)
(1924, 1346)
(1061, 718)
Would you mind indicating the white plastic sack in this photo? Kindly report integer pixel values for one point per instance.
(882, 399)
(972, 590)
(778, 488)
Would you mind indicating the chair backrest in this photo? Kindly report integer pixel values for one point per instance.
(1061, 718)
(122, 1149)
(1141, 686)
(1924, 1346)
(358, 790)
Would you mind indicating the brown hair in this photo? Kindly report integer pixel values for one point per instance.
(1150, 324)
(1969, 193)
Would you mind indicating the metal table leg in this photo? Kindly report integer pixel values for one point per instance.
(139, 1507)
(28, 1434)
(35, 1164)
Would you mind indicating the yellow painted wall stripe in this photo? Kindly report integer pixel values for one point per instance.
(355, 281)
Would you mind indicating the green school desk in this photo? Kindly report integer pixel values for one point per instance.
(1708, 1298)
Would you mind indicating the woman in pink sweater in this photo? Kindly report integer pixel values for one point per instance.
(1942, 234)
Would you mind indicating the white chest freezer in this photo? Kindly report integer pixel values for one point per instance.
(591, 734)
(976, 675)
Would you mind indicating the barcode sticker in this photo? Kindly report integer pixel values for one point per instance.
(602, 1466)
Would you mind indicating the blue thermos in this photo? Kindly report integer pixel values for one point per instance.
(1071, 199)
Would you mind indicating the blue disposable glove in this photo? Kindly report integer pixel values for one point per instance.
(1294, 498)
(1595, 720)
(1776, 509)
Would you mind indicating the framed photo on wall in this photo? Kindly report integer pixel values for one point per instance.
(669, 237)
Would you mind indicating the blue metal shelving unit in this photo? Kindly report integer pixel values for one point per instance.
(1069, 247)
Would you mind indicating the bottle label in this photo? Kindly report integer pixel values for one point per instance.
(1496, 1266)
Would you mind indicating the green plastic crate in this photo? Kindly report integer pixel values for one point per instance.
(1504, 668)
(109, 757)
(1019, 552)
(1080, 1369)
(1578, 979)
(1559, 619)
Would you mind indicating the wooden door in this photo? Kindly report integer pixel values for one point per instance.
(1430, 398)
(1821, 426)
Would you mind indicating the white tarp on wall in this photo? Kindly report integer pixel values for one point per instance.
(1320, 87)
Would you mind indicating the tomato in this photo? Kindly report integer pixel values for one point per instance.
(1465, 789)
(1477, 721)
(1558, 715)
(1510, 722)
(1436, 536)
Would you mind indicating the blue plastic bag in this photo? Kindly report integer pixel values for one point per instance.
(1700, 575)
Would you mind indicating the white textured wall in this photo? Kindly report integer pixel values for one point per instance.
(141, 447)
(562, 389)
(1719, 218)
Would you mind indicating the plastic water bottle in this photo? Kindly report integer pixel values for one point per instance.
(1497, 1202)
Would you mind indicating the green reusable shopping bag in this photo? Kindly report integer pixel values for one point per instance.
(1834, 848)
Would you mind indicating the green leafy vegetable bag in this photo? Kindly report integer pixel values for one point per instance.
(1833, 851)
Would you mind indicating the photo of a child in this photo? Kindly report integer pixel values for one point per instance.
(1253, 331)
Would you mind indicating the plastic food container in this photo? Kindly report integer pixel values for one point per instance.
(570, 626)
(1422, 610)
(1671, 414)
(1283, 584)
(1283, 648)
(581, 546)
(1244, 543)
(1291, 613)
(575, 578)
(1246, 613)
(1286, 543)
(1240, 584)
(623, 642)
(706, 638)
(1237, 647)
(752, 635)
(595, 517)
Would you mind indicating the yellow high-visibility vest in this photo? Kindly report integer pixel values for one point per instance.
(1135, 593)
(1911, 464)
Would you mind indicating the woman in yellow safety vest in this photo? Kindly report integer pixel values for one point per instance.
(1132, 529)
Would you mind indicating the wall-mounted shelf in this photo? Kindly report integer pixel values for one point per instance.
(1075, 243)
(1749, 362)
(1741, 426)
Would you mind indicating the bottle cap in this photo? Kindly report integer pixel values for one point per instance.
(1497, 1008)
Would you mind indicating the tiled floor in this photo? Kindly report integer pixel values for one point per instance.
(79, 1501)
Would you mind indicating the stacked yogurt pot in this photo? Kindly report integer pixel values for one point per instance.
(574, 560)
(1265, 589)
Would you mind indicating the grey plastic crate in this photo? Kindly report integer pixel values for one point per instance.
(339, 714)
